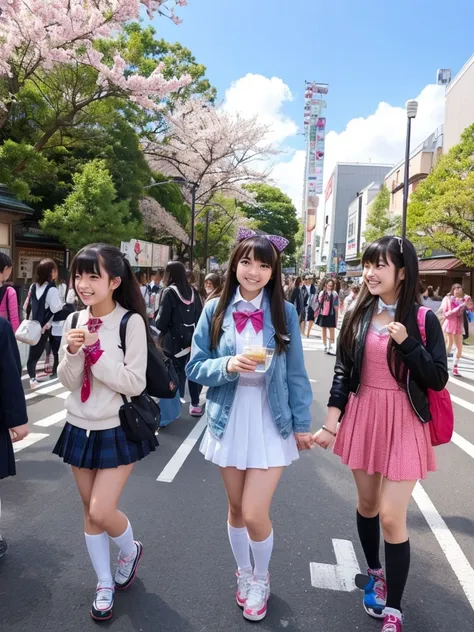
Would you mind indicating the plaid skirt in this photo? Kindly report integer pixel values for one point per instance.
(100, 450)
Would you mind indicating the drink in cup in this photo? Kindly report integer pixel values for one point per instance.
(261, 355)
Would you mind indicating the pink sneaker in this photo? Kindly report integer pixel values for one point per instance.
(456, 370)
(393, 620)
(257, 597)
(244, 579)
(195, 411)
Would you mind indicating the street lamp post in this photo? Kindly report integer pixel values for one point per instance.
(412, 109)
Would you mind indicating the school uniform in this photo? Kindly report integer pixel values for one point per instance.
(92, 437)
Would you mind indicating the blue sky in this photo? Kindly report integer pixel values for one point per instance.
(368, 51)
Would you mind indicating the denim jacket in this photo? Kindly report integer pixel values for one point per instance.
(288, 388)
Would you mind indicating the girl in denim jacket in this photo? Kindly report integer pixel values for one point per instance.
(257, 421)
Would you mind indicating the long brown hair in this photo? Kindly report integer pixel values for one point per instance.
(403, 255)
(265, 252)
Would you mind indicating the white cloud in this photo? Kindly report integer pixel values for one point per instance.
(289, 177)
(380, 138)
(258, 95)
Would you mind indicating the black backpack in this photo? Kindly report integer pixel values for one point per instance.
(161, 374)
(188, 316)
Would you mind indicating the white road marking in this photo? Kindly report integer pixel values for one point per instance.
(179, 457)
(462, 402)
(64, 395)
(32, 438)
(453, 552)
(464, 444)
(51, 420)
(44, 390)
(456, 382)
(339, 576)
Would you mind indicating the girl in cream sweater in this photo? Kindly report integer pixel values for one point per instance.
(93, 367)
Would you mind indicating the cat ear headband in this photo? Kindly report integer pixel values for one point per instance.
(280, 243)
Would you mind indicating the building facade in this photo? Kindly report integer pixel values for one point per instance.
(459, 110)
(422, 160)
(345, 183)
(357, 221)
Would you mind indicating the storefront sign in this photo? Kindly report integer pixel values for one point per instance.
(161, 256)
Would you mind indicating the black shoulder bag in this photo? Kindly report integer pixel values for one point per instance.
(139, 417)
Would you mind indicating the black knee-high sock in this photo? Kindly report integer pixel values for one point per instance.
(397, 562)
(369, 534)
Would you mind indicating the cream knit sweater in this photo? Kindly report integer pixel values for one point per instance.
(111, 375)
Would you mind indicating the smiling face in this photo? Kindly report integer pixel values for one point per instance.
(330, 286)
(457, 291)
(94, 286)
(381, 278)
(252, 275)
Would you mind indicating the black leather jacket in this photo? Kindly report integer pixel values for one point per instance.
(427, 367)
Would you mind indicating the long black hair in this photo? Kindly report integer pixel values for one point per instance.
(265, 252)
(128, 294)
(175, 274)
(403, 255)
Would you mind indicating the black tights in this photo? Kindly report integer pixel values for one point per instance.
(194, 388)
(37, 351)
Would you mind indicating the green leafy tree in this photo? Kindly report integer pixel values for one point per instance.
(379, 220)
(222, 221)
(441, 209)
(273, 212)
(90, 213)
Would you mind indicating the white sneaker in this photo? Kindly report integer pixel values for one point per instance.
(34, 383)
(257, 597)
(244, 580)
(104, 601)
(182, 400)
(127, 567)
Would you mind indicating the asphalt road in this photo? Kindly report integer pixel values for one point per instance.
(186, 579)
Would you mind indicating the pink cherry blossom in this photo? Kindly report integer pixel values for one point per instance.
(216, 150)
(37, 34)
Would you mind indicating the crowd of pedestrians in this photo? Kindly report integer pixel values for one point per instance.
(242, 340)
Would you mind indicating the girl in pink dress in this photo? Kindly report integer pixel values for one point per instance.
(453, 307)
(378, 394)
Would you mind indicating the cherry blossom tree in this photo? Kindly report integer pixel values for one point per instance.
(37, 35)
(217, 151)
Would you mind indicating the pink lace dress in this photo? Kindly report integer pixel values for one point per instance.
(380, 432)
(453, 309)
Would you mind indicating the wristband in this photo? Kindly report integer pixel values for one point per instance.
(334, 434)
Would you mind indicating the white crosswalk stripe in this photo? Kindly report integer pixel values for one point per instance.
(51, 420)
(31, 439)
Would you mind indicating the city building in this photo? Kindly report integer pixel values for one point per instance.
(356, 225)
(422, 160)
(346, 181)
(11, 212)
(459, 110)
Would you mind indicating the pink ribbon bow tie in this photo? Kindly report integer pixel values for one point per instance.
(241, 319)
(91, 356)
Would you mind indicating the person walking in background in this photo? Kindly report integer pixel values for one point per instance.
(212, 286)
(154, 288)
(69, 300)
(255, 425)
(8, 297)
(13, 415)
(453, 308)
(328, 314)
(42, 303)
(350, 298)
(180, 309)
(296, 298)
(379, 395)
(308, 292)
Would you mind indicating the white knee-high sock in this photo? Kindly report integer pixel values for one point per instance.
(98, 548)
(125, 542)
(239, 542)
(262, 553)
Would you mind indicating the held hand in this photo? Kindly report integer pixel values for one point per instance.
(241, 364)
(324, 439)
(18, 433)
(304, 440)
(398, 332)
(75, 339)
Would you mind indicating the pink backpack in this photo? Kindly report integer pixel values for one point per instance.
(441, 407)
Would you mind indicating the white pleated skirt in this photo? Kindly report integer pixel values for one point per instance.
(251, 439)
